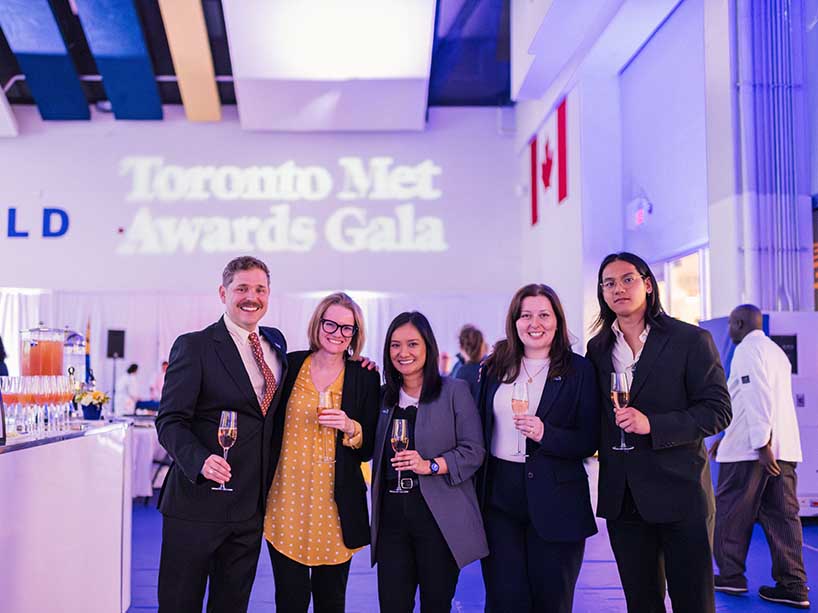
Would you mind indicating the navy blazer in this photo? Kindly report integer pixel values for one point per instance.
(360, 400)
(206, 376)
(559, 500)
(679, 384)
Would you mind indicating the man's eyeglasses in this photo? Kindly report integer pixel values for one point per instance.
(627, 282)
(329, 326)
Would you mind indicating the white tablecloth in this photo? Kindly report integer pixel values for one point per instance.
(146, 450)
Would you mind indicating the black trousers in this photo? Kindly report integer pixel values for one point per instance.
(650, 554)
(412, 552)
(747, 493)
(525, 574)
(296, 582)
(193, 552)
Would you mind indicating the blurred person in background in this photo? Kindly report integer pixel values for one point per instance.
(158, 382)
(757, 459)
(127, 392)
(472, 352)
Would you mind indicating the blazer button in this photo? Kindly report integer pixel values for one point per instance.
(530, 475)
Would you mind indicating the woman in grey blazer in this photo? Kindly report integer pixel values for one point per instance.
(426, 523)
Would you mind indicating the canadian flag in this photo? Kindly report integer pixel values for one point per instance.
(549, 162)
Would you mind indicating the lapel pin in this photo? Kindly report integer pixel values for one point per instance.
(557, 378)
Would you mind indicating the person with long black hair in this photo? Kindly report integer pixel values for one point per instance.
(426, 524)
(536, 504)
(655, 489)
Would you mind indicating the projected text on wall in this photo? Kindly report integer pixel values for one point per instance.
(375, 202)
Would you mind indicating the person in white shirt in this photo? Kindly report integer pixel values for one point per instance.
(159, 382)
(757, 458)
(127, 392)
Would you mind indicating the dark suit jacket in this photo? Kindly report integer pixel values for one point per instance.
(679, 384)
(360, 398)
(206, 376)
(559, 501)
(446, 427)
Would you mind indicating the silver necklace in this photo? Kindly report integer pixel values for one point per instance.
(530, 376)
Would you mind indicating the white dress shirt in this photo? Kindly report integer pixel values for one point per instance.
(240, 337)
(622, 356)
(760, 387)
(504, 436)
(127, 394)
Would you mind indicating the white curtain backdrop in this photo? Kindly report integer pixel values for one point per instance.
(152, 321)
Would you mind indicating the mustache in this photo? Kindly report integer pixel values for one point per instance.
(249, 304)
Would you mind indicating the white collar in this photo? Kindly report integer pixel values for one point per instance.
(755, 333)
(236, 330)
(643, 336)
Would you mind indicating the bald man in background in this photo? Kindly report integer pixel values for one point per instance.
(757, 458)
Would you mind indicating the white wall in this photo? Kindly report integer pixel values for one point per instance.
(663, 137)
(553, 248)
(455, 186)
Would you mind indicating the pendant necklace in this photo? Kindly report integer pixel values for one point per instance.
(530, 376)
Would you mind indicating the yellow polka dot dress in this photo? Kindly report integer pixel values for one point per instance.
(301, 520)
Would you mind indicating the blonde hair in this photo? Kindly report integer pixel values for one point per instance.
(356, 344)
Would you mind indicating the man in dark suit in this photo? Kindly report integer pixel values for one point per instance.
(658, 496)
(232, 365)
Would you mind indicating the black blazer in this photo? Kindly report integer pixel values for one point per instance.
(360, 399)
(206, 376)
(679, 384)
(559, 500)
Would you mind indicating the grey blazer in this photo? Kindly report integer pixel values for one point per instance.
(448, 427)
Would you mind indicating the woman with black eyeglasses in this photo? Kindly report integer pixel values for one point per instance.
(316, 516)
(426, 524)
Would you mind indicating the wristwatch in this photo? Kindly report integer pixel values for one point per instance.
(434, 467)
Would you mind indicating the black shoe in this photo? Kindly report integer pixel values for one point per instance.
(730, 586)
(782, 595)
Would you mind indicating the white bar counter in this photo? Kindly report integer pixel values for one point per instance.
(65, 521)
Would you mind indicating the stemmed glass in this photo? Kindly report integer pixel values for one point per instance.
(519, 406)
(327, 434)
(228, 432)
(400, 442)
(9, 392)
(620, 396)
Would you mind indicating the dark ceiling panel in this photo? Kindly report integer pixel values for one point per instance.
(470, 66)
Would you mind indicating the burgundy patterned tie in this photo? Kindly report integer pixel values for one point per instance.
(269, 377)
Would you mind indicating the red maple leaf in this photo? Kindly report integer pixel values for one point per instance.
(547, 166)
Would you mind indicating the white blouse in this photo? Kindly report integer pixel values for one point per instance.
(504, 436)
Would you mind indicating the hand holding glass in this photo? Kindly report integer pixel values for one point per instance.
(228, 432)
(519, 406)
(400, 442)
(327, 434)
(620, 396)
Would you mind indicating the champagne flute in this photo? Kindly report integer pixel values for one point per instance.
(620, 396)
(400, 442)
(327, 434)
(228, 432)
(519, 406)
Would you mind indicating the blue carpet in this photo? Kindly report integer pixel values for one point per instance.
(598, 590)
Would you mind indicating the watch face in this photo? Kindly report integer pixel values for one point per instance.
(434, 466)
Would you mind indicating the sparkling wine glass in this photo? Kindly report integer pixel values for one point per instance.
(327, 434)
(228, 432)
(519, 406)
(400, 442)
(620, 396)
